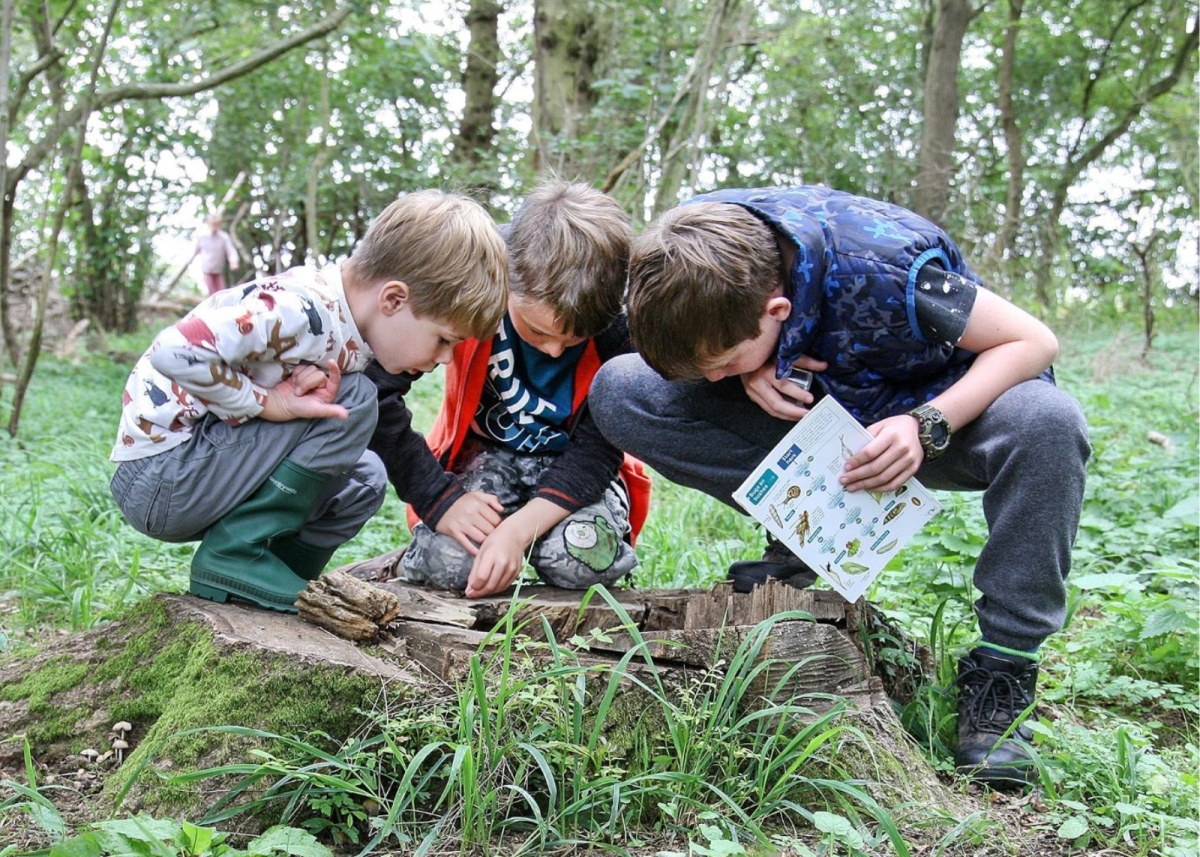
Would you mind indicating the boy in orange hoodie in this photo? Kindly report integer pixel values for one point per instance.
(514, 465)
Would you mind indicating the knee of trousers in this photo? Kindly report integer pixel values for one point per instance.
(366, 488)
(615, 398)
(1038, 422)
(1058, 423)
(360, 397)
(571, 573)
(437, 560)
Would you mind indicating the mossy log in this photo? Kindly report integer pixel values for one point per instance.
(177, 663)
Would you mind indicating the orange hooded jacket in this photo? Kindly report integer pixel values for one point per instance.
(465, 377)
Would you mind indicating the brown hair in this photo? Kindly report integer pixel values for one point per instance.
(447, 250)
(569, 246)
(699, 280)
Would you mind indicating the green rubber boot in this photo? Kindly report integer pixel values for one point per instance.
(233, 560)
(307, 561)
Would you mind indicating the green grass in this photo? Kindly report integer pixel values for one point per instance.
(538, 751)
(1117, 736)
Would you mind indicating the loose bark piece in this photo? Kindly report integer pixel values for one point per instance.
(377, 569)
(351, 608)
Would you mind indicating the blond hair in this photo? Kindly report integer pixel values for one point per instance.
(447, 250)
(569, 248)
(699, 280)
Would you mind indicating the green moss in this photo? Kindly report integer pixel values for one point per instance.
(53, 721)
(187, 685)
(168, 680)
(54, 676)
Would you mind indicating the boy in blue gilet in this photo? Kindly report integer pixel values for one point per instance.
(733, 290)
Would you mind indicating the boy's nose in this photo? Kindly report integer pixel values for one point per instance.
(553, 349)
(714, 375)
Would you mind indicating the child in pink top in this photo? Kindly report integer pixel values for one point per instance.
(214, 248)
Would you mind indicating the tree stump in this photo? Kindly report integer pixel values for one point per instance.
(178, 663)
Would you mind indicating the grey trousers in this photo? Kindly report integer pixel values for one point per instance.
(587, 547)
(178, 494)
(1027, 453)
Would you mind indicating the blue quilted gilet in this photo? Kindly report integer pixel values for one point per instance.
(852, 285)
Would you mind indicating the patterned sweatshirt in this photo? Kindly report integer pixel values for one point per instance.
(226, 354)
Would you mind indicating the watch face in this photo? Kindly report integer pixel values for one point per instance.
(938, 435)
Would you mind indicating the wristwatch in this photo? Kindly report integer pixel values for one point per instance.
(932, 430)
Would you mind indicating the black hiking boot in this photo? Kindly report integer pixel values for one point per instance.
(777, 562)
(994, 689)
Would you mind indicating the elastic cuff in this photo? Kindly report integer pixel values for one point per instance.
(558, 498)
(441, 505)
(1017, 653)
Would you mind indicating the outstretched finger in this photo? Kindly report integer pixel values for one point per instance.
(335, 380)
(478, 582)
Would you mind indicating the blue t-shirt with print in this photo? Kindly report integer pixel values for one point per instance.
(526, 400)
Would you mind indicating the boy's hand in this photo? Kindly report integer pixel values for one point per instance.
(780, 397)
(471, 519)
(306, 394)
(500, 559)
(887, 462)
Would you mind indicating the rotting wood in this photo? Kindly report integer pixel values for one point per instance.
(347, 606)
(422, 653)
(823, 656)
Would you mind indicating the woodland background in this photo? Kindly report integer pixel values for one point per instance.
(1055, 139)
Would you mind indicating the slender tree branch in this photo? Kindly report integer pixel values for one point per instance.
(152, 91)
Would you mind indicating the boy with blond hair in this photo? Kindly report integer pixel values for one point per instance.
(245, 424)
(514, 465)
(732, 292)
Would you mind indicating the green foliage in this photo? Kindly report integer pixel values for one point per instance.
(512, 755)
(67, 557)
(143, 836)
(525, 749)
(1108, 783)
(29, 798)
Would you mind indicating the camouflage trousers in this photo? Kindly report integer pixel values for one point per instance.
(588, 547)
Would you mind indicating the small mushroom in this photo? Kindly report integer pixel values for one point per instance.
(122, 727)
(120, 745)
(371, 807)
(91, 755)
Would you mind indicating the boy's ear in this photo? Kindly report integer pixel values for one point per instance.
(778, 307)
(392, 297)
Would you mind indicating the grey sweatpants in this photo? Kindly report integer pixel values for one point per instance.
(1027, 453)
(178, 494)
(588, 547)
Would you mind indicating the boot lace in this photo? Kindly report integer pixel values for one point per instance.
(992, 692)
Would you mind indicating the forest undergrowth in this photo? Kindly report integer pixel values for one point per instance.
(1116, 734)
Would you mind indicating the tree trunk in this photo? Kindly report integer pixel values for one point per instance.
(74, 171)
(6, 23)
(178, 662)
(566, 45)
(682, 151)
(1143, 254)
(74, 119)
(312, 220)
(476, 133)
(935, 164)
(1079, 160)
(1012, 136)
